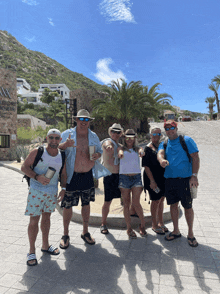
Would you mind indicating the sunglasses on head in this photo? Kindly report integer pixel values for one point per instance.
(56, 138)
(116, 132)
(156, 134)
(171, 128)
(84, 119)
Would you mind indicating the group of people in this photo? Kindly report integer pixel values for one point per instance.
(170, 170)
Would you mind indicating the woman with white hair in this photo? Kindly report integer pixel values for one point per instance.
(154, 181)
(130, 180)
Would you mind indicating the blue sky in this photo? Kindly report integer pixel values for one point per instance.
(175, 43)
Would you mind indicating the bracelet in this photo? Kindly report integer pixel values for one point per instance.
(35, 177)
(63, 188)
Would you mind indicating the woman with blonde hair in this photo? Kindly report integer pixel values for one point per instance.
(154, 181)
(130, 180)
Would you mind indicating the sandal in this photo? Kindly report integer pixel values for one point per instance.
(51, 250)
(158, 231)
(87, 238)
(104, 229)
(164, 228)
(142, 232)
(65, 239)
(31, 257)
(192, 242)
(131, 234)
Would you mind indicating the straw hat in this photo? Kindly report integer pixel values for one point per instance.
(83, 113)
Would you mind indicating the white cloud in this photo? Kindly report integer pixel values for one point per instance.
(33, 39)
(105, 74)
(30, 2)
(117, 10)
(51, 21)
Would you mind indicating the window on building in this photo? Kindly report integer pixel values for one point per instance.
(4, 141)
(62, 93)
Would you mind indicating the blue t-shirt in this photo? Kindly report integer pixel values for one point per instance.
(179, 165)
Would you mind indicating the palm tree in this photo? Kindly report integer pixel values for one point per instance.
(124, 101)
(214, 87)
(211, 101)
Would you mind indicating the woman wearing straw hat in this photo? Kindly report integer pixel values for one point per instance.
(130, 180)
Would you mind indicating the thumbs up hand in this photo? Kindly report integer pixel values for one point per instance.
(69, 142)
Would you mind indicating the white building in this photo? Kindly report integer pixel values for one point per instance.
(32, 98)
(59, 88)
(22, 86)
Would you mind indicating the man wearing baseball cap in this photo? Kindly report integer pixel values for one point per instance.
(181, 163)
(42, 196)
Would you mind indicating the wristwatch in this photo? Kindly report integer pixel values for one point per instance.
(194, 174)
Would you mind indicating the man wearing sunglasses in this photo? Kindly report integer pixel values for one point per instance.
(181, 174)
(111, 162)
(81, 168)
(42, 196)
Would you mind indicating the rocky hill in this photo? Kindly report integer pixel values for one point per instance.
(37, 68)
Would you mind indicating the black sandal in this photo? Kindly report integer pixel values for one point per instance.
(66, 239)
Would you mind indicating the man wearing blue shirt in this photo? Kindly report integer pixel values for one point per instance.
(181, 175)
(81, 167)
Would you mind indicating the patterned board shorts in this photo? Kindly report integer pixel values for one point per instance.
(39, 202)
(81, 186)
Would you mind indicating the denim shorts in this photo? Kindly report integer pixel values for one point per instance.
(128, 182)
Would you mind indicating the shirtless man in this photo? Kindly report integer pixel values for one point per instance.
(111, 162)
(80, 172)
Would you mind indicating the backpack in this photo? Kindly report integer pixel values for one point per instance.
(183, 144)
(38, 157)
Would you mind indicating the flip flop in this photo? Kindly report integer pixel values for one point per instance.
(131, 234)
(51, 250)
(142, 231)
(164, 228)
(104, 229)
(158, 231)
(191, 240)
(31, 257)
(175, 236)
(87, 235)
(66, 239)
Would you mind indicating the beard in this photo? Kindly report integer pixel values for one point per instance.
(53, 146)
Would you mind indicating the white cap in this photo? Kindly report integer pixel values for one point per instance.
(54, 132)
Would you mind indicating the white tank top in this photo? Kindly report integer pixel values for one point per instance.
(42, 167)
(130, 163)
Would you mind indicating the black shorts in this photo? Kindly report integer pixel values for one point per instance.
(111, 189)
(156, 196)
(177, 189)
(81, 185)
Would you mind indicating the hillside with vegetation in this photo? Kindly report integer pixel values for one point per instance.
(37, 68)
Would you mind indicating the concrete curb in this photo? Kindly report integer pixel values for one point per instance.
(114, 220)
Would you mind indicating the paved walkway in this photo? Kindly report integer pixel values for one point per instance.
(115, 264)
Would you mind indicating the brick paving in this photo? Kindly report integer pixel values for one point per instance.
(115, 264)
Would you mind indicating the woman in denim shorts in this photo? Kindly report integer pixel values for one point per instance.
(130, 180)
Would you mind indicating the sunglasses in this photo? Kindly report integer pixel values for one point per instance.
(156, 134)
(116, 132)
(127, 138)
(56, 138)
(84, 119)
(171, 128)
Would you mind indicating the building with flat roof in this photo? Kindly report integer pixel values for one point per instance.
(22, 86)
(61, 89)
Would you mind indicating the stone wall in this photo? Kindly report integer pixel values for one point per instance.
(8, 109)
